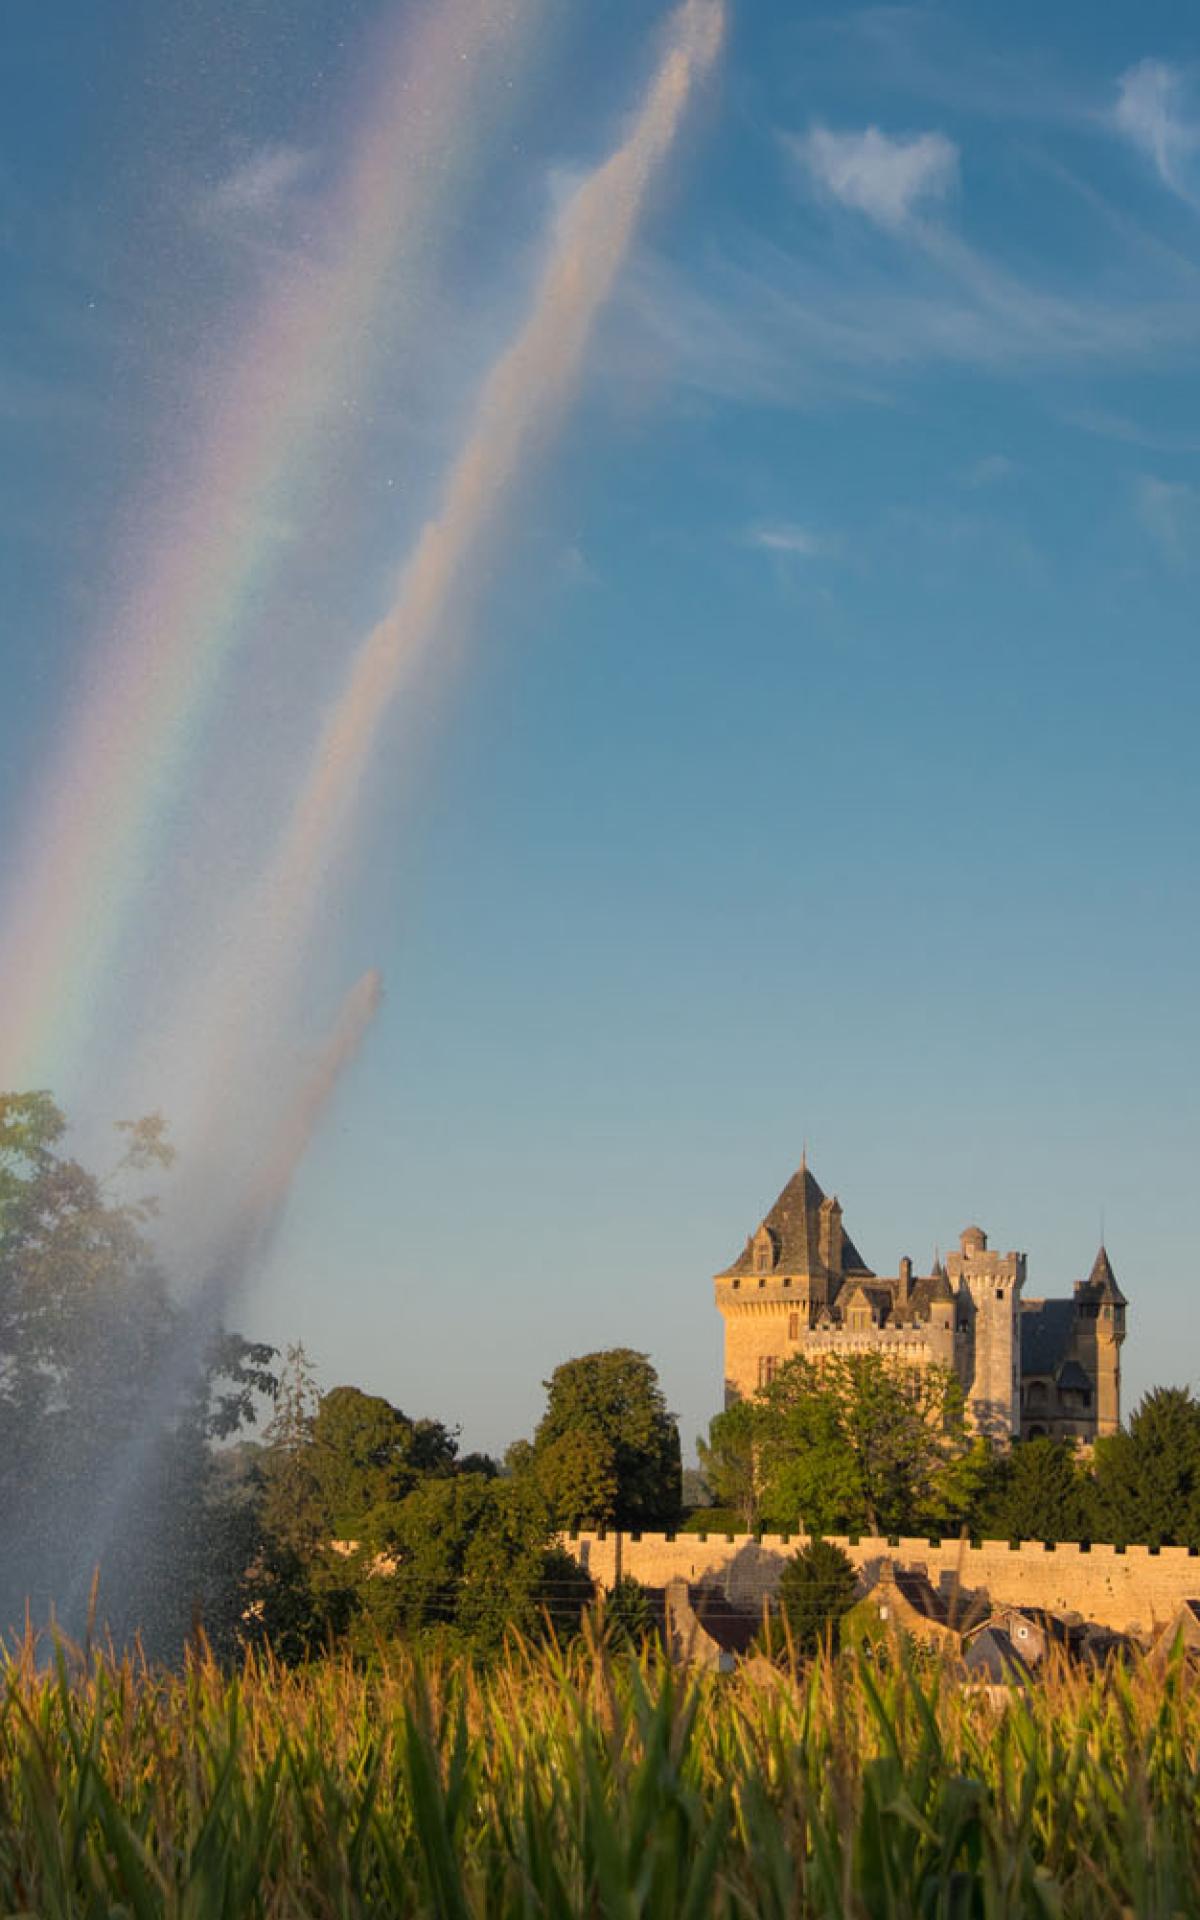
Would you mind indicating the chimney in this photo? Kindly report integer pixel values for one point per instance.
(905, 1288)
(829, 1240)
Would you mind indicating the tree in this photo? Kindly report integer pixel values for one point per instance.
(371, 1527)
(629, 1616)
(336, 1472)
(366, 1457)
(283, 1605)
(95, 1467)
(1035, 1491)
(578, 1474)
(474, 1557)
(854, 1444)
(624, 1445)
(1147, 1479)
(816, 1590)
(727, 1459)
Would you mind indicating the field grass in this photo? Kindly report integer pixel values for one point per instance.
(568, 1784)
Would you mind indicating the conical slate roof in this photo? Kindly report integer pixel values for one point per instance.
(1102, 1281)
(794, 1226)
(940, 1288)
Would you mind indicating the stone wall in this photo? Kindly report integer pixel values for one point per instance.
(1135, 1590)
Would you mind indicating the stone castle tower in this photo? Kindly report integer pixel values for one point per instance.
(800, 1286)
(987, 1288)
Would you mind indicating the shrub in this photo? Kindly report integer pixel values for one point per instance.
(816, 1590)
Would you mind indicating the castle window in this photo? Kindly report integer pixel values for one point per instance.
(768, 1366)
(793, 1326)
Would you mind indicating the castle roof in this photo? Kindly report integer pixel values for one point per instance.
(794, 1226)
(1072, 1376)
(929, 1288)
(1102, 1281)
(1047, 1328)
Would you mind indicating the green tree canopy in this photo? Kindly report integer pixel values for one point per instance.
(366, 1457)
(630, 1618)
(816, 1590)
(606, 1444)
(728, 1460)
(94, 1465)
(856, 1444)
(1147, 1479)
(1037, 1490)
(473, 1556)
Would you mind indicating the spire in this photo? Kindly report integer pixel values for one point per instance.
(941, 1288)
(1102, 1281)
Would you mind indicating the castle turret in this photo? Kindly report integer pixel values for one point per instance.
(1100, 1331)
(987, 1288)
(790, 1271)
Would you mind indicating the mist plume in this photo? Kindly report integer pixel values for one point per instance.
(521, 400)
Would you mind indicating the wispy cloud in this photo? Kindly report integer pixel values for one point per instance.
(1107, 425)
(1152, 111)
(258, 187)
(776, 326)
(937, 54)
(883, 176)
(989, 471)
(804, 543)
(1169, 510)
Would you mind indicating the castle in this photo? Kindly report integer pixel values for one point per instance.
(1027, 1367)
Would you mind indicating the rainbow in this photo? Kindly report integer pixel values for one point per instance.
(521, 401)
(96, 825)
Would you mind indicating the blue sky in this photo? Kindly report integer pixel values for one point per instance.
(817, 759)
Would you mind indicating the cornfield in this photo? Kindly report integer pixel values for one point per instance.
(577, 1782)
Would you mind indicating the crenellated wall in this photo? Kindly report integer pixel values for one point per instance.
(1130, 1590)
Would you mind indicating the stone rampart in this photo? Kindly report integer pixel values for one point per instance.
(1130, 1590)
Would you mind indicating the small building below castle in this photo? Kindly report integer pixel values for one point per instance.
(1027, 1366)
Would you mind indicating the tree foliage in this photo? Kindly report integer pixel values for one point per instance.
(816, 1590)
(1037, 1490)
(1147, 1479)
(855, 1445)
(728, 1461)
(606, 1451)
(371, 1528)
(97, 1466)
(630, 1619)
(367, 1457)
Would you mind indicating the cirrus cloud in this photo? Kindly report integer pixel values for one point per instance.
(258, 186)
(1151, 112)
(803, 543)
(885, 177)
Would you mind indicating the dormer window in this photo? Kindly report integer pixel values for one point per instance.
(764, 1251)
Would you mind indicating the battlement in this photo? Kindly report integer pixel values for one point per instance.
(1130, 1589)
